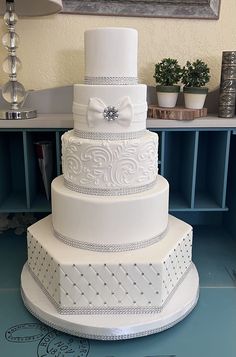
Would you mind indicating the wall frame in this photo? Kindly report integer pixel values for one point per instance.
(200, 9)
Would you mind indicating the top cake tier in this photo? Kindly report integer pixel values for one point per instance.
(111, 56)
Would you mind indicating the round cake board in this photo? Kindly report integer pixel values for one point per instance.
(115, 326)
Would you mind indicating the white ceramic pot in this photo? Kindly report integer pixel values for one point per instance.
(194, 98)
(167, 96)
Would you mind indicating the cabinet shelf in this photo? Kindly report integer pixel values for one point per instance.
(194, 161)
(40, 204)
(14, 202)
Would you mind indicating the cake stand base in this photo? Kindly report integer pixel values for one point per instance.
(112, 327)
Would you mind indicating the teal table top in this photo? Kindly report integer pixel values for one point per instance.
(209, 330)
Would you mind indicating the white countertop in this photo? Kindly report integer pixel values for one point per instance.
(66, 121)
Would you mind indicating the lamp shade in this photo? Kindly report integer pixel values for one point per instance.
(33, 7)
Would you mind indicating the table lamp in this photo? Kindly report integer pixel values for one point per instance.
(13, 91)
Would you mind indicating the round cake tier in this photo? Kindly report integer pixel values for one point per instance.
(109, 167)
(110, 109)
(110, 223)
(111, 55)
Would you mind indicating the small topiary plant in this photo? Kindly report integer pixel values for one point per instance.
(167, 72)
(195, 74)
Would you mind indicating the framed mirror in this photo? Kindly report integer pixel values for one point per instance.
(201, 9)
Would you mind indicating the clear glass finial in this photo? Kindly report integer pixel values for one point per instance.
(10, 18)
(11, 65)
(13, 92)
(10, 40)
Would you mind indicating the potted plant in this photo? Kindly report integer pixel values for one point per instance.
(167, 74)
(195, 76)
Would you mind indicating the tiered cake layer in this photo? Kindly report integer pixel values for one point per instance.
(110, 222)
(129, 102)
(80, 281)
(109, 166)
(111, 55)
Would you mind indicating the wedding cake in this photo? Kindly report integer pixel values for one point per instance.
(110, 247)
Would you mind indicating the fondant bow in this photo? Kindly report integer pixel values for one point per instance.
(96, 108)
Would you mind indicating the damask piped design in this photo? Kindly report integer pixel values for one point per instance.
(109, 164)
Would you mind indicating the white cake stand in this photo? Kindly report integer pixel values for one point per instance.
(112, 327)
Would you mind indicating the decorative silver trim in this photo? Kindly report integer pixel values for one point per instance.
(108, 191)
(112, 248)
(107, 337)
(108, 310)
(110, 80)
(109, 136)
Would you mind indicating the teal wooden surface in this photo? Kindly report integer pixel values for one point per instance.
(187, 170)
(12, 172)
(208, 331)
(230, 216)
(226, 167)
(186, 178)
(194, 174)
(210, 170)
(179, 160)
(32, 168)
(195, 162)
(27, 169)
(4, 167)
(218, 158)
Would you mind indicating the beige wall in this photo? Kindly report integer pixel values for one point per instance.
(51, 48)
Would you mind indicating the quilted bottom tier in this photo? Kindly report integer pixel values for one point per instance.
(119, 327)
(79, 281)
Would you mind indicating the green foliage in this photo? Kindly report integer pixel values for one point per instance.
(167, 72)
(195, 74)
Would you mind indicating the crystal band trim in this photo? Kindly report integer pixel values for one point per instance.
(112, 248)
(108, 191)
(109, 136)
(107, 337)
(111, 80)
(108, 310)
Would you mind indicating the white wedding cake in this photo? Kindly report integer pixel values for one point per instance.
(110, 247)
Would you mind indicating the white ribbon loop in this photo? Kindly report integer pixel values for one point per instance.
(96, 107)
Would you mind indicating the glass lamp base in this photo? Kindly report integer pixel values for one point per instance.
(22, 113)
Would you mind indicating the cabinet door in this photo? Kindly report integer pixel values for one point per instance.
(179, 167)
(12, 172)
(36, 144)
(212, 170)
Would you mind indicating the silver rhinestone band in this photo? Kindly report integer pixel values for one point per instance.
(107, 337)
(111, 80)
(108, 191)
(112, 248)
(109, 136)
(107, 310)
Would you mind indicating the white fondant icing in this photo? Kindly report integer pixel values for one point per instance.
(110, 96)
(116, 164)
(119, 327)
(82, 281)
(111, 52)
(107, 219)
(111, 105)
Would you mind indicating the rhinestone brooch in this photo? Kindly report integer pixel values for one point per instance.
(110, 113)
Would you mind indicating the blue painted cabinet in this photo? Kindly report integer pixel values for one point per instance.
(194, 161)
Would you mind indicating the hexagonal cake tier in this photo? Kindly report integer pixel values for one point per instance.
(83, 282)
